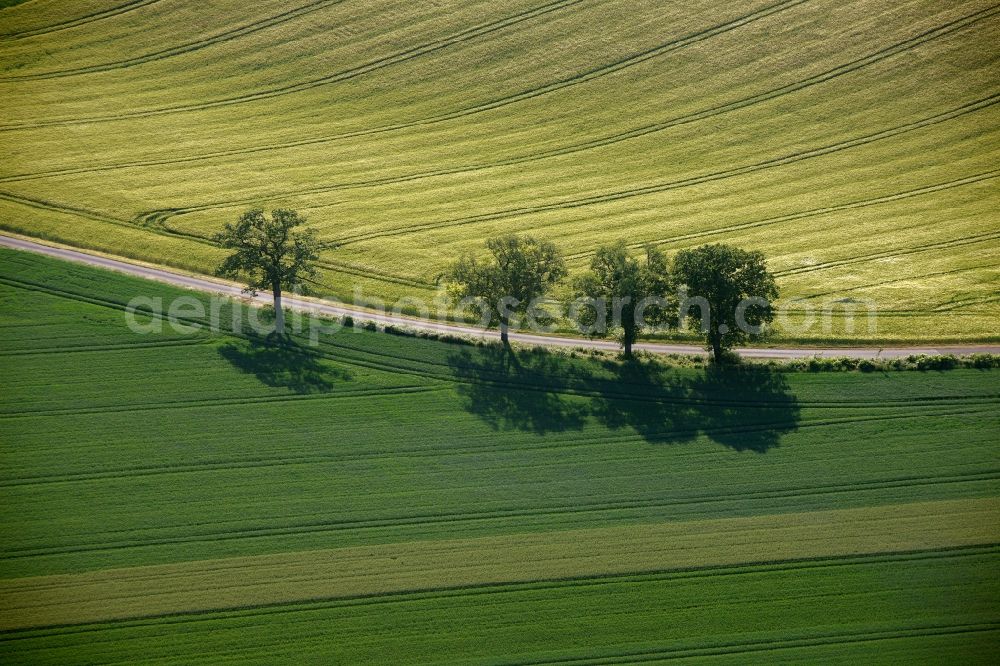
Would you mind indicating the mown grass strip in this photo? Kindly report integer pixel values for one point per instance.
(286, 578)
(573, 619)
(556, 587)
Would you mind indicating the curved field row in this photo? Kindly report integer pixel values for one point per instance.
(967, 108)
(418, 500)
(155, 224)
(62, 208)
(331, 138)
(378, 274)
(161, 216)
(530, 94)
(883, 283)
(958, 242)
(847, 68)
(625, 194)
(403, 56)
(118, 10)
(936, 31)
(152, 226)
(863, 203)
(180, 49)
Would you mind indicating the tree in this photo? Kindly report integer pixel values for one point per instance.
(269, 254)
(636, 291)
(736, 291)
(519, 270)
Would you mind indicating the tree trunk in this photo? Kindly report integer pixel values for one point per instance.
(628, 348)
(503, 332)
(279, 313)
(717, 348)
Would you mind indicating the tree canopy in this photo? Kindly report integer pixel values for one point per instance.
(729, 293)
(270, 253)
(631, 292)
(506, 284)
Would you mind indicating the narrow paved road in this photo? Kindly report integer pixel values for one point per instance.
(206, 284)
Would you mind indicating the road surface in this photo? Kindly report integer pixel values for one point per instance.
(329, 308)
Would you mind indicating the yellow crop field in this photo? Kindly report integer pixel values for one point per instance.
(855, 143)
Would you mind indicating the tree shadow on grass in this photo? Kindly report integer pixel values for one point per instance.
(512, 390)
(746, 408)
(283, 363)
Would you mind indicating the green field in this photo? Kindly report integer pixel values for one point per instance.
(855, 143)
(207, 498)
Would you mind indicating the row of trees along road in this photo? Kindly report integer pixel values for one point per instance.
(733, 283)
(272, 252)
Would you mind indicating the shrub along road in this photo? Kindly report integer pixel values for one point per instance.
(326, 308)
